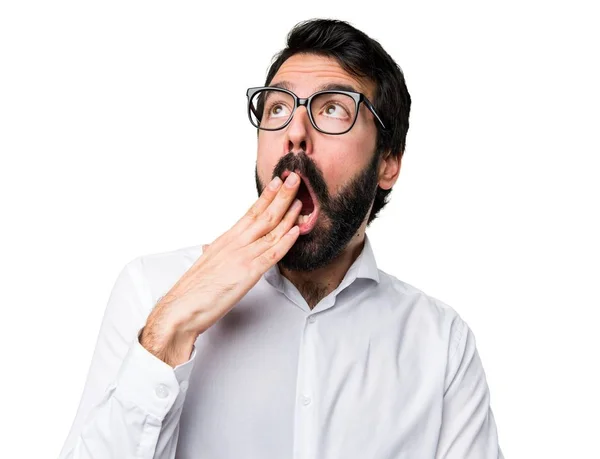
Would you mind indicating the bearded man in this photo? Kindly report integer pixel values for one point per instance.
(282, 338)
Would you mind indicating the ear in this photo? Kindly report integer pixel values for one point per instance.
(389, 169)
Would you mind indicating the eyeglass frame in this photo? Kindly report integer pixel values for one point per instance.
(305, 102)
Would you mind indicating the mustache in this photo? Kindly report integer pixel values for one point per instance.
(302, 163)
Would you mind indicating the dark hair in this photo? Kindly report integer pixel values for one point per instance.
(363, 57)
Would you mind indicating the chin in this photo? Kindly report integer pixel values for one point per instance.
(314, 250)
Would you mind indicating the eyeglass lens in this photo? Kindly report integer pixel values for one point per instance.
(332, 112)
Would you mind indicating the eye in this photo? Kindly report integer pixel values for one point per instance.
(335, 110)
(278, 110)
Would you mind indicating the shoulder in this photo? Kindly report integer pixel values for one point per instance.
(424, 317)
(159, 271)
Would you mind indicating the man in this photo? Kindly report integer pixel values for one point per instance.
(281, 338)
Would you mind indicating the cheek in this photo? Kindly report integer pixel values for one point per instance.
(366, 140)
(352, 157)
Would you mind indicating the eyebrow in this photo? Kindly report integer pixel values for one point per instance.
(325, 87)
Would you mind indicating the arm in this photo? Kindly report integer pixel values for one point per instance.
(468, 428)
(132, 400)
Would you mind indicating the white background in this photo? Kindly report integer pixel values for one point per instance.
(123, 132)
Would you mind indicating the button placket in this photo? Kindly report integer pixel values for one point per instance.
(305, 398)
(308, 397)
(305, 434)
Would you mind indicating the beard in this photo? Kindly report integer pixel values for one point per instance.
(340, 215)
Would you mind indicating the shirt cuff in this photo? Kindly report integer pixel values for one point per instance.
(148, 382)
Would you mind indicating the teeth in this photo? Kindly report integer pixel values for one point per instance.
(302, 219)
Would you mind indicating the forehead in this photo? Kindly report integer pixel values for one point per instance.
(305, 74)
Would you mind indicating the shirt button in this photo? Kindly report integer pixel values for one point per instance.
(312, 319)
(305, 400)
(162, 391)
(184, 386)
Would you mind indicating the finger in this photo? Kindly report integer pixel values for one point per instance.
(266, 197)
(274, 212)
(272, 256)
(250, 216)
(267, 241)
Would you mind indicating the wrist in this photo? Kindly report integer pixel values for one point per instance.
(167, 343)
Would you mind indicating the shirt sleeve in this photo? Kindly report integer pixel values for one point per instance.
(468, 428)
(132, 401)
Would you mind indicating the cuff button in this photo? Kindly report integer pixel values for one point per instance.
(162, 391)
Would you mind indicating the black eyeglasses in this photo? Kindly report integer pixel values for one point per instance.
(330, 112)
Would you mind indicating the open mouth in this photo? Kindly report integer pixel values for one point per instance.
(309, 213)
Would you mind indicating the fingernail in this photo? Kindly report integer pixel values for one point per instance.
(291, 180)
(275, 183)
(297, 204)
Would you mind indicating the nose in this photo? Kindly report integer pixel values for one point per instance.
(298, 134)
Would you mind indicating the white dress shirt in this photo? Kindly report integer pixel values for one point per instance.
(377, 369)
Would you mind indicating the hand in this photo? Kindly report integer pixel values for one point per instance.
(227, 269)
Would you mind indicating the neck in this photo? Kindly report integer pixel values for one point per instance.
(316, 285)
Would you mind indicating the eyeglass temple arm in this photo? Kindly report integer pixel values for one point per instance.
(370, 105)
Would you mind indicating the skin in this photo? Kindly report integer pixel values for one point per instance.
(339, 158)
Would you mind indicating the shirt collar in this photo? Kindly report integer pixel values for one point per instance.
(364, 267)
(367, 266)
